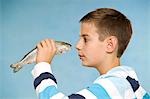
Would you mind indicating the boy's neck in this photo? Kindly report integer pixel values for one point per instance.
(108, 65)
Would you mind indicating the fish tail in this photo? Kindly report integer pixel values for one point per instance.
(16, 67)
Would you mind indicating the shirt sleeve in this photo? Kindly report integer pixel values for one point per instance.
(45, 85)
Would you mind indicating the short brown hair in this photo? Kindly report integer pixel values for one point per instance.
(110, 22)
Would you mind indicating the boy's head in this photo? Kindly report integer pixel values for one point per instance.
(109, 22)
(104, 35)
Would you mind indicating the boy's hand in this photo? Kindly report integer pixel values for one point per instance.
(46, 50)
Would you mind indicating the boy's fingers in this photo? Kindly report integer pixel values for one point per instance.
(53, 45)
(43, 43)
(39, 46)
(48, 43)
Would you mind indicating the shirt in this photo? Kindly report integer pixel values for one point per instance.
(120, 82)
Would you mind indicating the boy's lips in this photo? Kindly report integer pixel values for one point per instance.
(81, 56)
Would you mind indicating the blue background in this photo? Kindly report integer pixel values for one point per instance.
(23, 23)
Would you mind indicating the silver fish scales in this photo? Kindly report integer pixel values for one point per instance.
(30, 57)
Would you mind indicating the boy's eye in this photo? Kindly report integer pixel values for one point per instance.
(85, 40)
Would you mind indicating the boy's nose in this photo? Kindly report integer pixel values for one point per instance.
(78, 45)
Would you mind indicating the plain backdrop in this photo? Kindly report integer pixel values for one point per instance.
(23, 23)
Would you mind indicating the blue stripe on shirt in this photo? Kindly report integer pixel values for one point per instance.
(48, 92)
(43, 76)
(146, 96)
(135, 84)
(76, 96)
(98, 91)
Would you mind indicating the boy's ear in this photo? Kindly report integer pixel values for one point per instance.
(111, 44)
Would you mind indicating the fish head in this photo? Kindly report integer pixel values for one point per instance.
(62, 47)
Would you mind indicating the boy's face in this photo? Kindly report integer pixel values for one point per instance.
(90, 49)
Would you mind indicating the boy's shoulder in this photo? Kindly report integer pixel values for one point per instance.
(120, 72)
(121, 81)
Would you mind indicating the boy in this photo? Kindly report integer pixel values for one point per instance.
(105, 34)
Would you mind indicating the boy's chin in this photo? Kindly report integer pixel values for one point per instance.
(86, 65)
